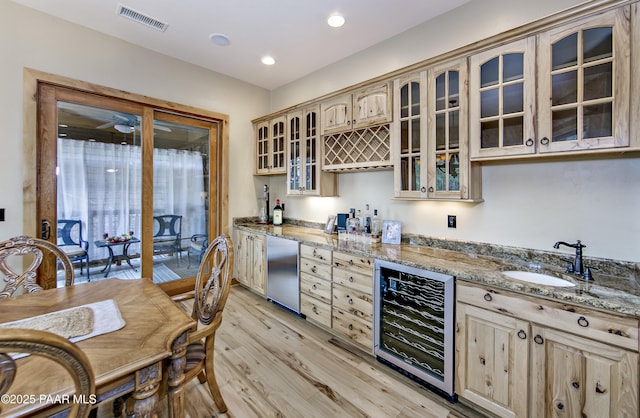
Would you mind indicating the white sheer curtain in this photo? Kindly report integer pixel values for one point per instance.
(101, 184)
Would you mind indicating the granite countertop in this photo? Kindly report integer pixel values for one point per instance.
(609, 293)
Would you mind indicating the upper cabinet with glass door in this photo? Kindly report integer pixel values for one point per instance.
(410, 174)
(450, 175)
(270, 146)
(304, 174)
(584, 84)
(430, 136)
(502, 100)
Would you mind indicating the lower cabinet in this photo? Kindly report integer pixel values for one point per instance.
(352, 313)
(518, 356)
(250, 261)
(315, 284)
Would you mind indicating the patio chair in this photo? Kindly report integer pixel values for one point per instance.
(167, 230)
(72, 242)
(197, 246)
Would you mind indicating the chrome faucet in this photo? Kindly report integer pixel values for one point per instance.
(577, 266)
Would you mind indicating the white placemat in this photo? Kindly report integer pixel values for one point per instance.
(106, 318)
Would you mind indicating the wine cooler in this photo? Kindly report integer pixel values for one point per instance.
(413, 329)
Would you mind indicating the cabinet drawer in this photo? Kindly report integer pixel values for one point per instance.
(311, 266)
(354, 302)
(353, 280)
(578, 320)
(352, 262)
(321, 255)
(315, 310)
(315, 287)
(353, 328)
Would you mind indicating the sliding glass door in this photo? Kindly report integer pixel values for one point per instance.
(125, 188)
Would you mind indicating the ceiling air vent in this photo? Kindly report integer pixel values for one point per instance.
(143, 19)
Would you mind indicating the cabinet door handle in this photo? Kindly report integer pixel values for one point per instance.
(529, 142)
(582, 321)
(351, 279)
(423, 189)
(351, 262)
(314, 269)
(350, 327)
(538, 339)
(544, 141)
(314, 309)
(314, 287)
(431, 189)
(488, 297)
(314, 252)
(522, 334)
(350, 301)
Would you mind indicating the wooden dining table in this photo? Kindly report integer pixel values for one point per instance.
(130, 360)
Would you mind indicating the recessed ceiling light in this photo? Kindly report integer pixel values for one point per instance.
(220, 39)
(268, 60)
(335, 21)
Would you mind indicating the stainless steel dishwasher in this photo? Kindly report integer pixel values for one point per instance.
(283, 286)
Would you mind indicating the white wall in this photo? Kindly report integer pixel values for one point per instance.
(529, 205)
(38, 41)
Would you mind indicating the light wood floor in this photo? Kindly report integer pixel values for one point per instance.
(271, 363)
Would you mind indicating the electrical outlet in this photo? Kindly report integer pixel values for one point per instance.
(451, 221)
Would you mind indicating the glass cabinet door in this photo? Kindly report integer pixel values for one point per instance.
(311, 162)
(277, 149)
(445, 133)
(294, 170)
(410, 126)
(502, 84)
(262, 148)
(303, 165)
(584, 85)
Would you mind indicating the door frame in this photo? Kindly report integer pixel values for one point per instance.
(32, 123)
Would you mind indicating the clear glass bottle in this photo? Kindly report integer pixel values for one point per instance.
(376, 227)
(366, 220)
(352, 225)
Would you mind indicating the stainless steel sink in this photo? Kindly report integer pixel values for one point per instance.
(538, 278)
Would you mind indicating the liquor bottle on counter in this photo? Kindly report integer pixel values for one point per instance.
(366, 220)
(376, 227)
(277, 213)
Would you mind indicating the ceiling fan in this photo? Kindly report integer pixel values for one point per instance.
(128, 125)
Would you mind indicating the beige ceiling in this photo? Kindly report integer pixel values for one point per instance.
(294, 32)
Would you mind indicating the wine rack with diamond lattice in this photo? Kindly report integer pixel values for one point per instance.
(361, 149)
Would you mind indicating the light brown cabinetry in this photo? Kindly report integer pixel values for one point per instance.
(270, 146)
(358, 109)
(581, 73)
(352, 311)
(250, 261)
(304, 173)
(315, 284)
(430, 141)
(518, 356)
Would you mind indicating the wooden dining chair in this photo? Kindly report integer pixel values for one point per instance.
(22, 246)
(213, 282)
(55, 348)
(211, 291)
